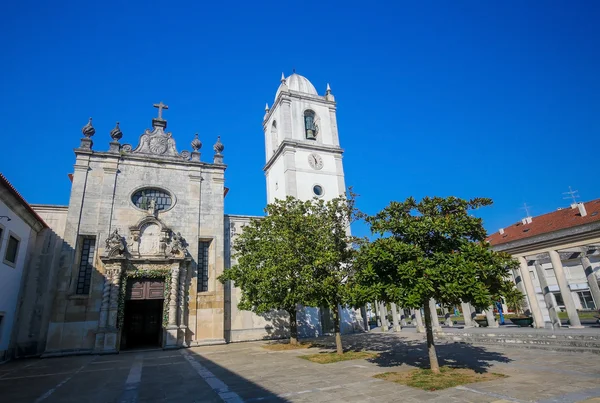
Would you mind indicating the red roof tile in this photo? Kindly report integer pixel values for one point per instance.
(557, 220)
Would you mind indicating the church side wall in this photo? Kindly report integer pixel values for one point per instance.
(209, 315)
(245, 325)
(11, 273)
(40, 283)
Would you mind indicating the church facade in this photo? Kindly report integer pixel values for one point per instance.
(133, 260)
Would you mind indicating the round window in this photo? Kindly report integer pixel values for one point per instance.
(318, 190)
(143, 199)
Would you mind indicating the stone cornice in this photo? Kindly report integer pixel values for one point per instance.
(98, 155)
(553, 240)
(288, 95)
(293, 145)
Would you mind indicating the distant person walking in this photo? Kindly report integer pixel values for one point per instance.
(499, 307)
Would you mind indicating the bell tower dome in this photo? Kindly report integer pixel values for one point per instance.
(303, 153)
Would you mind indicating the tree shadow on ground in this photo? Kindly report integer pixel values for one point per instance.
(395, 351)
(278, 327)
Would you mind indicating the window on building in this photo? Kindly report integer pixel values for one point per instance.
(86, 266)
(142, 198)
(274, 136)
(12, 249)
(587, 302)
(310, 127)
(559, 299)
(203, 247)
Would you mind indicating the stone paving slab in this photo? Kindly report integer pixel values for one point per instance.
(248, 372)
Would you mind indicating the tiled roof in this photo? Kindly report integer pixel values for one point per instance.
(21, 199)
(557, 220)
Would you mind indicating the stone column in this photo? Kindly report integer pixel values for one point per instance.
(377, 313)
(383, 314)
(103, 320)
(591, 277)
(466, 309)
(548, 296)
(181, 299)
(365, 317)
(402, 317)
(448, 320)
(396, 327)
(435, 322)
(110, 336)
(520, 286)
(172, 328)
(538, 318)
(113, 308)
(491, 319)
(419, 320)
(565, 291)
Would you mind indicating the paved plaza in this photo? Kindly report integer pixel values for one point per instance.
(248, 372)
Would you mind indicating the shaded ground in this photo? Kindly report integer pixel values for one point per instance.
(248, 372)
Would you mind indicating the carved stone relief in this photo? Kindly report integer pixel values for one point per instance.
(149, 239)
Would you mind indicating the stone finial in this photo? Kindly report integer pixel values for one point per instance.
(267, 107)
(218, 147)
(282, 78)
(88, 130)
(196, 143)
(328, 95)
(116, 134)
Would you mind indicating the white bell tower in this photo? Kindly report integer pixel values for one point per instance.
(304, 158)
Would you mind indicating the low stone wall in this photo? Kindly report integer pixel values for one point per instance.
(570, 342)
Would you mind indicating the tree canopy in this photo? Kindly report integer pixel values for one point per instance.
(434, 248)
(298, 254)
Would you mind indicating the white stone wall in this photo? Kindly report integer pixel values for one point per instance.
(276, 182)
(243, 325)
(11, 274)
(39, 286)
(576, 279)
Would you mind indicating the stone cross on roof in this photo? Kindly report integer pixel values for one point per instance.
(160, 107)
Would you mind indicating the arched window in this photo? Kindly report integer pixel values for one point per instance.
(143, 197)
(310, 128)
(274, 137)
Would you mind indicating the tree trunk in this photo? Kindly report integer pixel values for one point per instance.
(433, 360)
(293, 327)
(336, 328)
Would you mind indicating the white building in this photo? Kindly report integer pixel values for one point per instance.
(303, 160)
(559, 255)
(19, 227)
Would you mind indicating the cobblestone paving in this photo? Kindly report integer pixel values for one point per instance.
(248, 372)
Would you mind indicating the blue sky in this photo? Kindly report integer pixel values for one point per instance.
(464, 98)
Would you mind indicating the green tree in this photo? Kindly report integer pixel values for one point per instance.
(515, 299)
(336, 255)
(298, 254)
(275, 260)
(431, 249)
